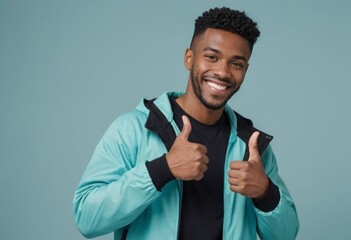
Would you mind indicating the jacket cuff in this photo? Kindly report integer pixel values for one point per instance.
(270, 200)
(159, 172)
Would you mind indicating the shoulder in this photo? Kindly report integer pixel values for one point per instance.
(127, 126)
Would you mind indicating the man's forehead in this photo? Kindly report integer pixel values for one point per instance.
(217, 39)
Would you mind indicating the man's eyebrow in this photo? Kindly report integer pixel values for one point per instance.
(211, 49)
(240, 58)
(237, 57)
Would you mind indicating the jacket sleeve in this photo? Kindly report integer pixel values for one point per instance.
(114, 189)
(282, 222)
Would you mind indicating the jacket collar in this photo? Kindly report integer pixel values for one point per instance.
(160, 116)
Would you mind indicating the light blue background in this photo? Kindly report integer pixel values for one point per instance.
(69, 68)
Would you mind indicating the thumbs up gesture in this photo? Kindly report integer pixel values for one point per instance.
(187, 160)
(248, 177)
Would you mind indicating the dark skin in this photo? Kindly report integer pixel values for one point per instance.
(218, 62)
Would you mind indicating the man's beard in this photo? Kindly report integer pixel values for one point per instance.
(198, 92)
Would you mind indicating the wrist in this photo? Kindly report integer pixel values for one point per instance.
(265, 190)
(270, 200)
(159, 172)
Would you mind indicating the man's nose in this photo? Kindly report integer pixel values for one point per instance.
(222, 69)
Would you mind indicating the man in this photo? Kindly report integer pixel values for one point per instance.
(173, 168)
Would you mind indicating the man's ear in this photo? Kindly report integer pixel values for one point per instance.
(188, 58)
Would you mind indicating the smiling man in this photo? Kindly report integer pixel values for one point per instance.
(185, 165)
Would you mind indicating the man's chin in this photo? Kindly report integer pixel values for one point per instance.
(213, 105)
(216, 103)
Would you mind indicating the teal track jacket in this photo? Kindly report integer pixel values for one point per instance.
(116, 191)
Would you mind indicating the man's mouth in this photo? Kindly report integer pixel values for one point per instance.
(216, 86)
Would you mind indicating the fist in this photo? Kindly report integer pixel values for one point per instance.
(187, 160)
(248, 177)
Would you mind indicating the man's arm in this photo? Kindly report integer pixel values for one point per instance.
(282, 221)
(114, 189)
(258, 178)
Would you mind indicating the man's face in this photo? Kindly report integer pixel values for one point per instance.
(217, 61)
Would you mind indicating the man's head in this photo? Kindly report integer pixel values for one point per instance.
(228, 20)
(219, 56)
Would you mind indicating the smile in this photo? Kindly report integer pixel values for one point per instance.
(216, 86)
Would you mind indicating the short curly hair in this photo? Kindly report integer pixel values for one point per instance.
(228, 20)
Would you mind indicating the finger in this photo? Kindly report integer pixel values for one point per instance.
(253, 149)
(234, 174)
(237, 165)
(204, 149)
(199, 176)
(201, 148)
(205, 160)
(186, 128)
(236, 188)
(234, 181)
(203, 168)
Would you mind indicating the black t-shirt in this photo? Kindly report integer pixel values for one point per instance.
(202, 201)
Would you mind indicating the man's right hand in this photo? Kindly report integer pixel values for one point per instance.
(187, 160)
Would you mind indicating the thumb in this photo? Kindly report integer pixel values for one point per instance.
(186, 127)
(253, 149)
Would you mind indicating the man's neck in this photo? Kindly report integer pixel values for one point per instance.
(197, 110)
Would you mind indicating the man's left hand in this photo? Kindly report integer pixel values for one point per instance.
(248, 177)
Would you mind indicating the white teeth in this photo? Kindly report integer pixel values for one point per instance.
(216, 86)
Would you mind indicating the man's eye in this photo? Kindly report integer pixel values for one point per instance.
(237, 65)
(211, 58)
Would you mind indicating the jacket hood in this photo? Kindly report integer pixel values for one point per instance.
(163, 103)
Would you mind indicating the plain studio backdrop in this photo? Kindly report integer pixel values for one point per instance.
(69, 68)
